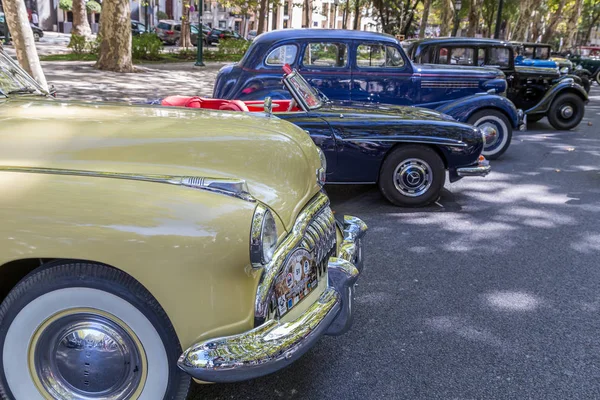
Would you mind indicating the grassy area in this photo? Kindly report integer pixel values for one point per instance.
(163, 58)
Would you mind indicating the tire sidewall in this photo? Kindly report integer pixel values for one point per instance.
(501, 122)
(395, 158)
(58, 278)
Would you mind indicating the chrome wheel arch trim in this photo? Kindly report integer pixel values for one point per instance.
(227, 186)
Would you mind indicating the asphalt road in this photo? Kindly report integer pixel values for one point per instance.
(493, 293)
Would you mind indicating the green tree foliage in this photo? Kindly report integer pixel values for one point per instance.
(65, 5)
(93, 7)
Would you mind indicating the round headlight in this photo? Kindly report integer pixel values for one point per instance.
(578, 67)
(564, 70)
(263, 237)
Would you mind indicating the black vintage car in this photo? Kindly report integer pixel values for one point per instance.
(541, 55)
(541, 92)
(405, 150)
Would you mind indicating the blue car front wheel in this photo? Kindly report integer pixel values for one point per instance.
(497, 132)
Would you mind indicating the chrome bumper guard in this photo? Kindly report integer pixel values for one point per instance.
(522, 123)
(274, 345)
(481, 169)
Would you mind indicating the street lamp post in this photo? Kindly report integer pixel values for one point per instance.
(457, 7)
(336, 3)
(199, 55)
(499, 20)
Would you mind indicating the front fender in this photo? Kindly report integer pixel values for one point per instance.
(565, 85)
(463, 108)
(582, 72)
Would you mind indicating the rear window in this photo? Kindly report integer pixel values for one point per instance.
(164, 25)
(282, 55)
(499, 57)
(329, 55)
(462, 56)
(378, 56)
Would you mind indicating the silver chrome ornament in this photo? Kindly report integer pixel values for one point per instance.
(268, 106)
(322, 172)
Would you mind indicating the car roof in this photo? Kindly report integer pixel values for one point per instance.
(282, 34)
(536, 44)
(444, 40)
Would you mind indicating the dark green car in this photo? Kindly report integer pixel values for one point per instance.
(587, 58)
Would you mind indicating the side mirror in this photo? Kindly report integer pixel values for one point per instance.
(268, 106)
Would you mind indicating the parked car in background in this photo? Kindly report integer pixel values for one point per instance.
(169, 31)
(222, 34)
(373, 68)
(588, 58)
(252, 35)
(540, 55)
(137, 28)
(220, 258)
(541, 92)
(37, 32)
(404, 150)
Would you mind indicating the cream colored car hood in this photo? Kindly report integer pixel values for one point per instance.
(277, 159)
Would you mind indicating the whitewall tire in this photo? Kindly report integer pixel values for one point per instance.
(85, 338)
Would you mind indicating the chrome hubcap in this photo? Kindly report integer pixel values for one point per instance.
(87, 356)
(413, 177)
(490, 133)
(566, 111)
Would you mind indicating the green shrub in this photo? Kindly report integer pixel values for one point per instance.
(66, 5)
(93, 7)
(146, 46)
(77, 44)
(233, 46)
(187, 54)
(93, 46)
(161, 15)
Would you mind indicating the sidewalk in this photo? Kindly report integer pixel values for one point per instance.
(81, 81)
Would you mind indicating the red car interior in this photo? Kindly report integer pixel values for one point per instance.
(226, 105)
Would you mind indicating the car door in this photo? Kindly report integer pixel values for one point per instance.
(324, 64)
(381, 73)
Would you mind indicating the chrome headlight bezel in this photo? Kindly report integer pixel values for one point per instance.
(322, 171)
(578, 67)
(564, 70)
(263, 237)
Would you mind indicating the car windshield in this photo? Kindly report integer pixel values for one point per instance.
(302, 91)
(13, 80)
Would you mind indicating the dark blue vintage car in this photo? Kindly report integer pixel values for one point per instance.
(372, 68)
(541, 92)
(405, 150)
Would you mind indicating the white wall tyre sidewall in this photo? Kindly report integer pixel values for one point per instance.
(504, 133)
(25, 324)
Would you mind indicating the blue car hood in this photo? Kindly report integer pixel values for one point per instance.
(527, 62)
(369, 110)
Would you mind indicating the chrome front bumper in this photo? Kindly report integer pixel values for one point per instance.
(275, 344)
(481, 169)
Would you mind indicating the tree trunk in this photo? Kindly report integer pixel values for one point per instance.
(346, 14)
(425, 18)
(553, 22)
(588, 34)
(473, 18)
(81, 25)
(185, 40)
(15, 15)
(356, 14)
(262, 16)
(115, 31)
(572, 24)
(447, 15)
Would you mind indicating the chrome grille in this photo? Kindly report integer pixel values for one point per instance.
(320, 238)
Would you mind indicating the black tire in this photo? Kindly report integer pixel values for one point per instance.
(36, 37)
(91, 287)
(532, 119)
(426, 165)
(562, 102)
(494, 119)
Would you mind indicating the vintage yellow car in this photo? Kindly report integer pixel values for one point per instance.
(143, 246)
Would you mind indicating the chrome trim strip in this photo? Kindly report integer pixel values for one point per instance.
(230, 187)
(406, 140)
(256, 240)
(293, 240)
(479, 170)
